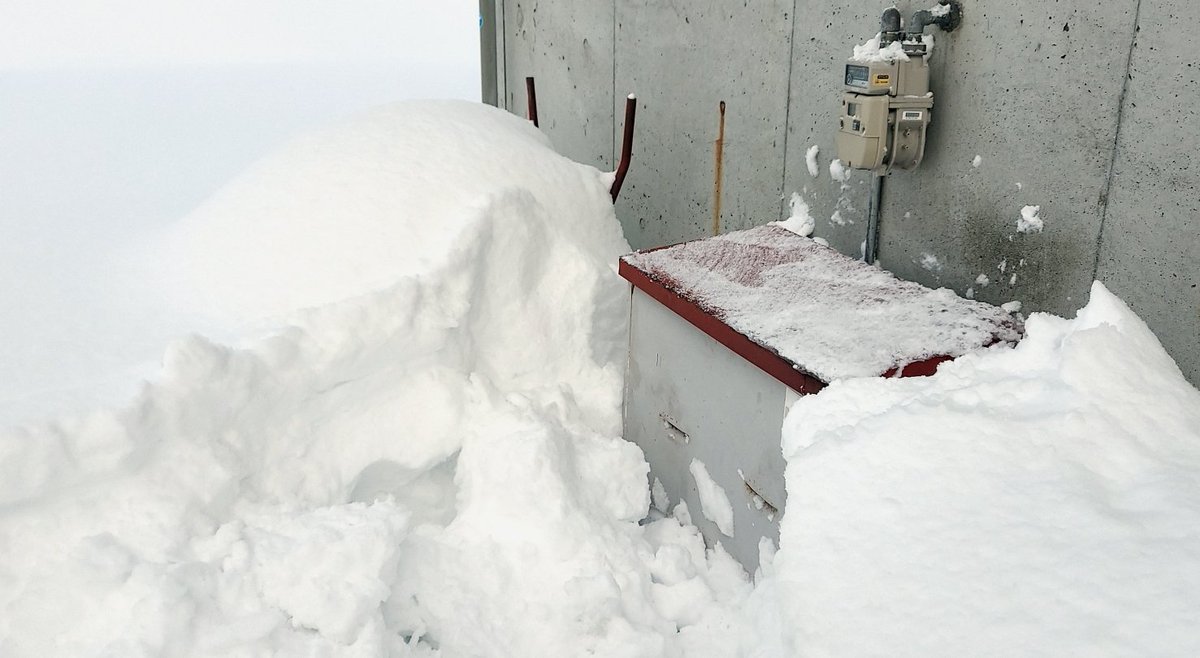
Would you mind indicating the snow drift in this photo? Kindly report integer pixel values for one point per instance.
(422, 455)
(425, 454)
(1039, 501)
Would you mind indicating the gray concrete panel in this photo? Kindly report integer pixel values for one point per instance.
(824, 36)
(490, 32)
(1034, 89)
(682, 59)
(1150, 255)
(568, 48)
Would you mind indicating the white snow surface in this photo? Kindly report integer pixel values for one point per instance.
(431, 466)
(798, 298)
(343, 211)
(424, 459)
(1036, 501)
(871, 52)
(714, 502)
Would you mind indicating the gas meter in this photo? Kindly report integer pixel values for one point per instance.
(886, 103)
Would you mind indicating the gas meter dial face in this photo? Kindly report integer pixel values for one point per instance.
(857, 76)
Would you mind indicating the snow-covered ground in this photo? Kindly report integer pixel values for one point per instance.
(399, 434)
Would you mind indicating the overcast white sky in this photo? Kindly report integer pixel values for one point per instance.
(41, 34)
(121, 116)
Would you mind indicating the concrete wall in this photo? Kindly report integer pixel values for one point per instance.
(1086, 109)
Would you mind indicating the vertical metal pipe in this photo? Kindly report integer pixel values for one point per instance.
(718, 166)
(531, 94)
(626, 146)
(871, 249)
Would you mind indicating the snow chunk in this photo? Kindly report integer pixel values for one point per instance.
(714, 503)
(871, 52)
(800, 222)
(810, 157)
(659, 497)
(1030, 221)
(838, 171)
(395, 459)
(1012, 307)
(982, 280)
(976, 161)
(930, 262)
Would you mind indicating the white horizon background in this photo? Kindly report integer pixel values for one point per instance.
(120, 117)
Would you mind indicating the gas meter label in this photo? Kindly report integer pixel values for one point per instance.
(910, 115)
(881, 79)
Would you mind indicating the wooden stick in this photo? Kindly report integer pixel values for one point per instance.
(531, 93)
(719, 157)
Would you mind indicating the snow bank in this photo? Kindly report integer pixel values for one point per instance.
(423, 456)
(352, 208)
(1038, 501)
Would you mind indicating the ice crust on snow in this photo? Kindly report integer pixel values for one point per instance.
(1038, 501)
(832, 316)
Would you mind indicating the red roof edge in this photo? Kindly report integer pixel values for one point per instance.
(766, 360)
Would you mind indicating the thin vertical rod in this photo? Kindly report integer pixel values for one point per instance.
(871, 250)
(718, 165)
(531, 93)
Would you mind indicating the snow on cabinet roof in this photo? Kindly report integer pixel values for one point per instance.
(829, 315)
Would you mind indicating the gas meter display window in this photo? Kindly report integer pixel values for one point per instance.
(856, 76)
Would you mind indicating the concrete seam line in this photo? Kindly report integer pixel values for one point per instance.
(1112, 159)
(613, 102)
(787, 111)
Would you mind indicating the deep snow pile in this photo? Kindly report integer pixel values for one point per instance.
(425, 455)
(422, 458)
(1039, 501)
